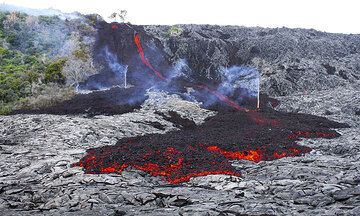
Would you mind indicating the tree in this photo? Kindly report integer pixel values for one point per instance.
(113, 16)
(53, 72)
(121, 15)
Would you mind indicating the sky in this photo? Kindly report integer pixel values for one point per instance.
(337, 16)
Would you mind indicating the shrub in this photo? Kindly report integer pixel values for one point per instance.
(11, 38)
(93, 19)
(85, 29)
(81, 54)
(7, 95)
(53, 72)
(48, 20)
(3, 52)
(3, 17)
(175, 31)
(5, 109)
(45, 96)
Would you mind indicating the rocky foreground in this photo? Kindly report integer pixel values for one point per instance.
(37, 179)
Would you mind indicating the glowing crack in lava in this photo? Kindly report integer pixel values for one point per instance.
(253, 113)
(237, 134)
(160, 76)
(220, 96)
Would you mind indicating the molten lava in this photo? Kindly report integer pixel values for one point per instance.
(220, 96)
(114, 26)
(223, 98)
(251, 155)
(170, 163)
(207, 149)
(144, 59)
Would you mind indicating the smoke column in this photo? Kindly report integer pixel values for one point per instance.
(119, 69)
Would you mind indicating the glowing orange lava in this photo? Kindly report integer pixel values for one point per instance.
(251, 155)
(144, 59)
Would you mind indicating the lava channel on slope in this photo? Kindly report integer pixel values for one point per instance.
(235, 133)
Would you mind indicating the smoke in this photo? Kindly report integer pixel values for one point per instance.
(47, 32)
(239, 78)
(237, 83)
(179, 69)
(118, 69)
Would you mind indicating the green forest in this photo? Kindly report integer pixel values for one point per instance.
(42, 58)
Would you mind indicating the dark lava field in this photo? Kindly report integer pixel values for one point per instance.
(171, 125)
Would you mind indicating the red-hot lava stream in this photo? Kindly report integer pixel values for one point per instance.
(144, 59)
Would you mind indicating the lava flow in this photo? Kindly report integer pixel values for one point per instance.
(233, 134)
(208, 149)
(223, 98)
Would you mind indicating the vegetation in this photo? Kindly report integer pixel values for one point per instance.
(53, 72)
(46, 95)
(175, 31)
(17, 72)
(36, 56)
(121, 15)
(81, 54)
(93, 19)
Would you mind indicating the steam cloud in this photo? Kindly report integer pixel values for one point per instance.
(118, 69)
(239, 78)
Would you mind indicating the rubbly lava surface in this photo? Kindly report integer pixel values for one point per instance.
(207, 149)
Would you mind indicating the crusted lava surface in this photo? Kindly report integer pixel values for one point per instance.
(209, 148)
